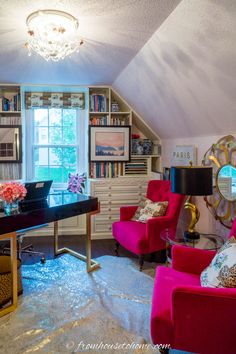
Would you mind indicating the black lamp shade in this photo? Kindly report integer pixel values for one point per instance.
(191, 180)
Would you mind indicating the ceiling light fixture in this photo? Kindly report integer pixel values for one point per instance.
(52, 34)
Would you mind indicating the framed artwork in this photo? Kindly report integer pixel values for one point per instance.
(109, 143)
(10, 143)
(183, 155)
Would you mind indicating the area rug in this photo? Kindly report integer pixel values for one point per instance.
(66, 310)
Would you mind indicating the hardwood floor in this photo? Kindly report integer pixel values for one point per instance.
(99, 248)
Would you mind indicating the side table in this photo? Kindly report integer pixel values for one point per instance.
(176, 237)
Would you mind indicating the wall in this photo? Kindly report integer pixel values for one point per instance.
(206, 223)
(183, 81)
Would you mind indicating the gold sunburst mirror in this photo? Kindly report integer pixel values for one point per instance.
(222, 157)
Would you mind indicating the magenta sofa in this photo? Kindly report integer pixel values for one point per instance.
(141, 238)
(190, 317)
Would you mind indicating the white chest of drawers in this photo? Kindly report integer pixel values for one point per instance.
(112, 193)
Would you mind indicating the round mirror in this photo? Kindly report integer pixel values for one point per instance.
(221, 156)
(226, 182)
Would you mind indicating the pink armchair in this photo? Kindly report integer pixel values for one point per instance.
(141, 238)
(190, 317)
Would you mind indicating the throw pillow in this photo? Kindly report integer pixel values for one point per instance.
(221, 273)
(141, 206)
(152, 209)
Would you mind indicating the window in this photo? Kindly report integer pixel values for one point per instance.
(58, 143)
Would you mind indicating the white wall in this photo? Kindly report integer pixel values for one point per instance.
(183, 81)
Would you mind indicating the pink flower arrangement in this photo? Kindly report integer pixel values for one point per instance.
(12, 191)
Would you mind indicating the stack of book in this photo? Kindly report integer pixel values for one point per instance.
(98, 103)
(136, 167)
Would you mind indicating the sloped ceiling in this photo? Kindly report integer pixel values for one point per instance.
(113, 32)
(183, 81)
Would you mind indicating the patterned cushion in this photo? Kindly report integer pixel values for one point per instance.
(152, 209)
(221, 273)
(141, 206)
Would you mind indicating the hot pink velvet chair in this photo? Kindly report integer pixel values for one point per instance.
(144, 238)
(190, 317)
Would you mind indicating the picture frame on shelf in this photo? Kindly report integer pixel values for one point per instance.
(109, 143)
(10, 143)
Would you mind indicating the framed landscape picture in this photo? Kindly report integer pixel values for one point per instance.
(10, 143)
(109, 143)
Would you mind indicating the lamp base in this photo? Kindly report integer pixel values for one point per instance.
(191, 235)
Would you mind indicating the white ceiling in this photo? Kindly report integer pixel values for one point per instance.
(113, 32)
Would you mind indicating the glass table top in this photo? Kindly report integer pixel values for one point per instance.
(206, 241)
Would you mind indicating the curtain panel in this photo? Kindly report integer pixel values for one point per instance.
(54, 100)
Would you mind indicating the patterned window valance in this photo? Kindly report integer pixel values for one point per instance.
(54, 99)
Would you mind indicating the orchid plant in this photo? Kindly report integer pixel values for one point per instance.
(76, 183)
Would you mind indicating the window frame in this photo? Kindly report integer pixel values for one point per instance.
(81, 145)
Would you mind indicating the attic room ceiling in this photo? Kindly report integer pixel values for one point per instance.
(113, 32)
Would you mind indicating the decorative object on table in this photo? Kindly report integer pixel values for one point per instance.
(6, 279)
(76, 183)
(137, 145)
(147, 147)
(222, 157)
(191, 181)
(10, 143)
(183, 155)
(11, 194)
(115, 107)
(109, 143)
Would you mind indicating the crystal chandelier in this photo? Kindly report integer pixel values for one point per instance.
(52, 34)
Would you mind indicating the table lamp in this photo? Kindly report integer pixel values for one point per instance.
(191, 181)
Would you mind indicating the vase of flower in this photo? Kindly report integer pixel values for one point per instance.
(11, 208)
(10, 194)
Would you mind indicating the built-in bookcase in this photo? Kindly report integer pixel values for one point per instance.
(107, 107)
(10, 114)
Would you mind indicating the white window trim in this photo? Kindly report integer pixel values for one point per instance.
(82, 134)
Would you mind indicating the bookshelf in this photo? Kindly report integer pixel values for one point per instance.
(107, 107)
(10, 114)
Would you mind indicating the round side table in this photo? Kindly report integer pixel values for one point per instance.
(176, 237)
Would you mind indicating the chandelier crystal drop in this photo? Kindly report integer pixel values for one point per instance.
(52, 34)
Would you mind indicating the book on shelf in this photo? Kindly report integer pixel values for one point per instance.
(119, 121)
(98, 103)
(10, 120)
(95, 120)
(105, 169)
(10, 104)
